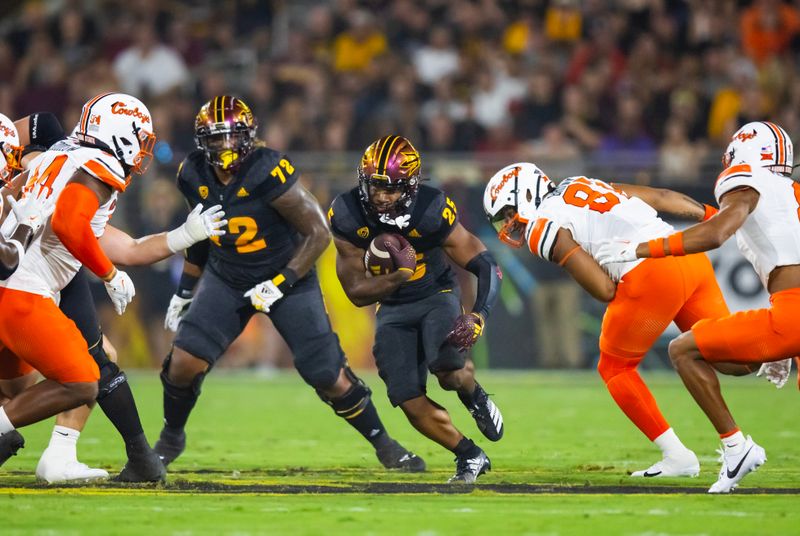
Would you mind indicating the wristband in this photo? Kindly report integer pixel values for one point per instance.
(186, 286)
(675, 243)
(178, 239)
(656, 248)
(710, 211)
(285, 279)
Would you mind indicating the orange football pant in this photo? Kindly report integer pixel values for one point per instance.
(649, 297)
(37, 335)
(752, 336)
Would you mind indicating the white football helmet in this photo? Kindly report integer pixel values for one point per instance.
(761, 144)
(121, 125)
(10, 149)
(512, 197)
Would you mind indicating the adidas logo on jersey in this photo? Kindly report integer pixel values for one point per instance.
(242, 192)
(414, 234)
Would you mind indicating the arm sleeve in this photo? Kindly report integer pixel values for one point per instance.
(71, 222)
(541, 237)
(44, 129)
(489, 277)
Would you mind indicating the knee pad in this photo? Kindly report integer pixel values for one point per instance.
(111, 377)
(176, 391)
(610, 365)
(99, 354)
(353, 402)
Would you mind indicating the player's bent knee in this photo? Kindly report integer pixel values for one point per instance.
(182, 368)
(82, 392)
(111, 377)
(449, 380)
(353, 402)
(680, 348)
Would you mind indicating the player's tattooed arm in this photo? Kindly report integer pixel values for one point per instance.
(667, 201)
(361, 289)
(301, 209)
(582, 267)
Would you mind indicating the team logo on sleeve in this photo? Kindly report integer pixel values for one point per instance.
(363, 232)
(203, 191)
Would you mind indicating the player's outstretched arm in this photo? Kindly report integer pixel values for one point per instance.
(122, 248)
(582, 267)
(360, 289)
(669, 202)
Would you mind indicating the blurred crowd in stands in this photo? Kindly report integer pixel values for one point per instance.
(649, 90)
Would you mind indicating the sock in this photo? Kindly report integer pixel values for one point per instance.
(631, 394)
(65, 440)
(669, 443)
(178, 405)
(466, 448)
(370, 426)
(5, 424)
(120, 408)
(733, 441)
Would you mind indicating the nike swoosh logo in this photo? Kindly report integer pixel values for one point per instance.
(735, 471)
(646, 474)
(61, 433)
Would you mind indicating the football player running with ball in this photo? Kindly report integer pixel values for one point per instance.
(420, 322)
(760, 204)
(565, 224)
(265, 263)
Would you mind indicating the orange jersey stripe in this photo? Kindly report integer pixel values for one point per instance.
(733, 170)
(102, 173)
(536, 235)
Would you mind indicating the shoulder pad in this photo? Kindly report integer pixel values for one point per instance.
(346, 217)
(104, 168)
(738, 176)
(435, 212)
(270, 170)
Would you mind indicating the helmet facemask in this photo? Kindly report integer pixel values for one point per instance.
(12, 155)
(509, 227)
(226, 147)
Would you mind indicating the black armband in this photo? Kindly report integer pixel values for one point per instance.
(489, 276)
(197, 254)
(285, 279)
(186, 285)
(44, 130)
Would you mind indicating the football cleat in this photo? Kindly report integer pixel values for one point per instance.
(486, 414)
(469, 469)
(10, 443)
(145, 467)
(735, 466)
(55, 469)
(395, 456)
(170, 445)
(685, 464)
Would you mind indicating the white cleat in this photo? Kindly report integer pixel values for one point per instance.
(685, 464)
(57, 470)
(736, 466)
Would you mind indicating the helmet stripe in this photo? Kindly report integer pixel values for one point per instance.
(779, 141)
(384, 154)
(84, 122)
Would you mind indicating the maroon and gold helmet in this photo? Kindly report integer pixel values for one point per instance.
(225, 130)
(391, 163)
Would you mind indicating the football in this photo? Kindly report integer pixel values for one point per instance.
(377, 259)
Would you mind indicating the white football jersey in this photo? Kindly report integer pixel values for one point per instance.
(770, 236)
(47, 266)
(592, 211)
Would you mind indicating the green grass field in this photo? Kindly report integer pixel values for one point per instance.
(265, 456)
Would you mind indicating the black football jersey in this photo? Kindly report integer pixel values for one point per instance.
(433, 217)
(258, 242)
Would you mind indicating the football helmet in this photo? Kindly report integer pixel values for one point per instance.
(225, 129)
(120, 124)
(391, 163)
(761, 144)
(511, 199)
(10, 149)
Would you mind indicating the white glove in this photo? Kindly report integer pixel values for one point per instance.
(32, 210)
(264, 295)
(177, 307)
(616, 250)
(121, 291)
(776, 372)
(198, 226)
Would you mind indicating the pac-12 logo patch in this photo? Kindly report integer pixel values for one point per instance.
(363, 232)
(203, 191)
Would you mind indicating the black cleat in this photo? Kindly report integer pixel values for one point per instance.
(145, 467)
(10, 443)
(487, 416)
(469, 469)
(395, 456)
(170, 445)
